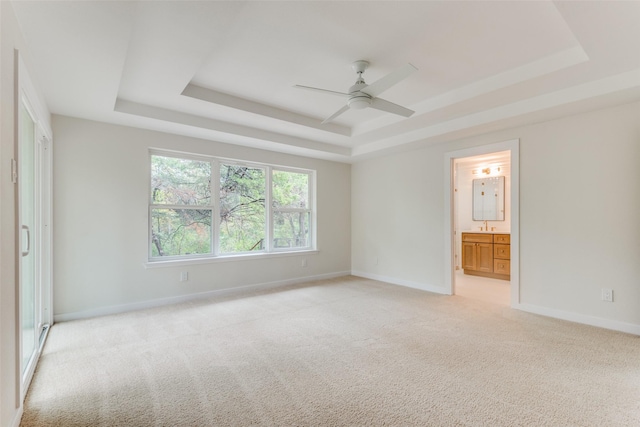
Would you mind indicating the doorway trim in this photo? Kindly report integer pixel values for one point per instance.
(449, 233)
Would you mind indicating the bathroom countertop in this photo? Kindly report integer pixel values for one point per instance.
(487, 232)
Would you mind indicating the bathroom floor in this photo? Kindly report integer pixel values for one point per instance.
(482, 288)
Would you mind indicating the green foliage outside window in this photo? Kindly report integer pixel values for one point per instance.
(182, 208)
(180, 232)
(184, 183)
(242, 209)
(180, 181)
(291, 215)
(290, 189)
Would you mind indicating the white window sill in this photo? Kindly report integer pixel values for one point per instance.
(226, 258)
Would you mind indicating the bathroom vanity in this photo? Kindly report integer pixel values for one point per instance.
(487, 254)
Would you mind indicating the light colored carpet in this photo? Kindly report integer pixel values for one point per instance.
(341, 352)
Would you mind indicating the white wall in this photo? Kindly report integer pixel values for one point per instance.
(8, 410)
(100, 221)
(579, 204)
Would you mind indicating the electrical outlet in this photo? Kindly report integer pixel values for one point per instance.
(607, 295)
(184, 276)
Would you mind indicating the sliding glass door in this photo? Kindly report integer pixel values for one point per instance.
(27, 180)
(33, 205)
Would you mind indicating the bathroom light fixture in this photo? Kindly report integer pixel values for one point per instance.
(487, 171)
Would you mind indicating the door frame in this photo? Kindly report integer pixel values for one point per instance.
(26, 94)
(449, 209)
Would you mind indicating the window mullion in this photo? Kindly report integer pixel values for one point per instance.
(215, 200)
(150, 230)
(291, 210)
(182, 207)
(313, 213)
(268, 211)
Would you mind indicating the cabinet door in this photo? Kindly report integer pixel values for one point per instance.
(484, 256)
(468, 256)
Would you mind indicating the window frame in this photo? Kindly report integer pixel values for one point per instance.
(215, 204)
(310, 209)
(211, 206)
(267, 198)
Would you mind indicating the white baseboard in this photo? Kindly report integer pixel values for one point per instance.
(401, 282)
(615, 325)
(122, 308)
(18, 417)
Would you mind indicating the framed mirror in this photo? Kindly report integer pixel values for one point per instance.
(488, 199)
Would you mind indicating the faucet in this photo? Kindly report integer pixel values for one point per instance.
(486, 226)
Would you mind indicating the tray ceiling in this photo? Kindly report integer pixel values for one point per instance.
(225, 71)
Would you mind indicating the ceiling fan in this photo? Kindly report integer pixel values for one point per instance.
(362, 95)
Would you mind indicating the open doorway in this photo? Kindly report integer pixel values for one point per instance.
(482, 224)
(482, 230)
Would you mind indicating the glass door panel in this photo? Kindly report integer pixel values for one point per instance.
(28, 289)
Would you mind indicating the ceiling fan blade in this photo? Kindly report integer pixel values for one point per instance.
(380, 85)
(330, 92)
(390, 107)
(336, 114)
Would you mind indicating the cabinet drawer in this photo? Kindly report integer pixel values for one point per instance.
(502, 251)
(502, 238)
(477, 237)
(502, 266)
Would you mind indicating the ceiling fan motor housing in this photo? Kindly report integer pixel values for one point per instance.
(358, 100)
(360, 65)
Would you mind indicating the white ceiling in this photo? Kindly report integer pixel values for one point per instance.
(225, 71)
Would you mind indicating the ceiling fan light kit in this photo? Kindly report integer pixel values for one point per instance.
(359, 102)
(362, 96)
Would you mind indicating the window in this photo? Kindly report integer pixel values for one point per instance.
(242, 208)
(186, 222)
(291, 209)
(181, 210)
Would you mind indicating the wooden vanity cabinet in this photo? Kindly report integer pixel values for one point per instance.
(477, 252)
(487, 255)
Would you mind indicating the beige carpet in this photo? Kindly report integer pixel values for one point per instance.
(342, 352)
